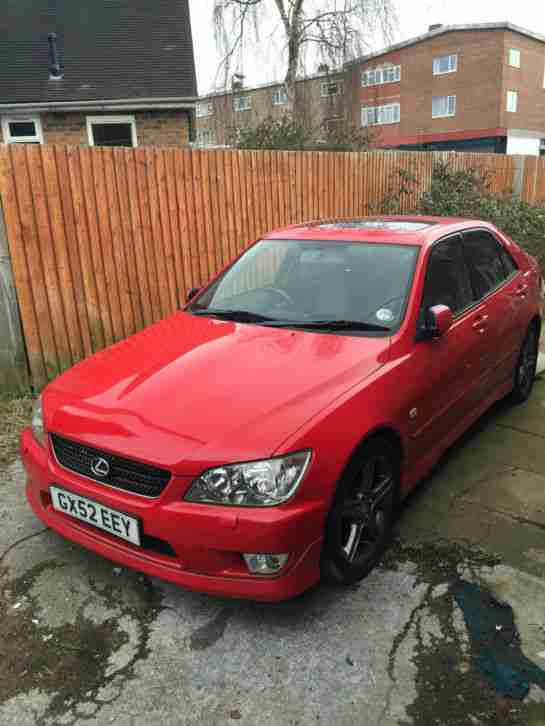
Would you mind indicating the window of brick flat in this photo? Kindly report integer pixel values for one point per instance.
(331, 88)
(512, 101)
(111, 131)
(279, 97)
(242, 103)
(445, 64)
(205, 108)
(205, 137)
(514, 57)
(380, 115)
(443, 106)
(381, 76)
(22, 130)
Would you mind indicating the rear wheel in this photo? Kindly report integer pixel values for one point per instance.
(360, 519)
(525, 371)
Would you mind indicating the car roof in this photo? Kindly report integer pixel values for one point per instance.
(391, 229)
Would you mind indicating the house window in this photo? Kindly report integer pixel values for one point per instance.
(331, 88)
(111, 131)
(380, 76)
(279, 97)
(443, 106)
(514, 57)
(512, 101)
(205, 108)
(22, 130)
(242, 103)
(445, 64)
(379, 115)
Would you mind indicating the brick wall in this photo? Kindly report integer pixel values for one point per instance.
(310, 106)
(153, 128)
(528, 80)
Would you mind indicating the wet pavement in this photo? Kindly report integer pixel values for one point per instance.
(84, 641)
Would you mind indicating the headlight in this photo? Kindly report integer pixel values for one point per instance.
(38, 421)
(255, 484)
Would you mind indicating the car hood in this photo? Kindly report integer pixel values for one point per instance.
(190, 392)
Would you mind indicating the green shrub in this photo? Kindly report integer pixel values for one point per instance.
(467, 193)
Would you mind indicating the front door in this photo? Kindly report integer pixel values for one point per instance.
(448, 367)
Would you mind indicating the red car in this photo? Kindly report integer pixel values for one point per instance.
(260, 438)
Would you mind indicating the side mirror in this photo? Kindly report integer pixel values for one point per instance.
(191, 293)
(437, 321)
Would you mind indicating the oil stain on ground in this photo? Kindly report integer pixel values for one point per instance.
(451, 690)
(70, 662)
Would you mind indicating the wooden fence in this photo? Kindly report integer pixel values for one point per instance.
(106, 241)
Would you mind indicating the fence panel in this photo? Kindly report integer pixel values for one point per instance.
(106, 241)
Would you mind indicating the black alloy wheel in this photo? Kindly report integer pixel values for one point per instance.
(525, 372)
(360, 520)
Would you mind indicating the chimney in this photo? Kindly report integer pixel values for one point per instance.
(55, 72)
(435, 26)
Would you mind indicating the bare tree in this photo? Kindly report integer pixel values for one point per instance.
(338, 29)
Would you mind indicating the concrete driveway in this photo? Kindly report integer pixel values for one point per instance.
(86, 642)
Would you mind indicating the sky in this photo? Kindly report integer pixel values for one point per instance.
(414, 17)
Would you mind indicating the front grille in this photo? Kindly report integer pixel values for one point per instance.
(125, 474)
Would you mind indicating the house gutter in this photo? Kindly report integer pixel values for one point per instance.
(103, 105)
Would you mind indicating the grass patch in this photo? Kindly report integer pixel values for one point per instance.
(15, 414)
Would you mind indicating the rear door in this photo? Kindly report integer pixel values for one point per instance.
(498, 290)
(447, 368)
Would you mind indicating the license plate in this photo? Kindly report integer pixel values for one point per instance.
(109, 520)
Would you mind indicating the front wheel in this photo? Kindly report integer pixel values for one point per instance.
(525, 371)
(360, 519)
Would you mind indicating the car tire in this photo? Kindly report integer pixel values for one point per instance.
(525, 370)
(360, 520)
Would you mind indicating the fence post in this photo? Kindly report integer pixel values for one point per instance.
(518, 178)
(14, 376)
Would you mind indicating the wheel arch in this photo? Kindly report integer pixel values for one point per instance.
(384, 431)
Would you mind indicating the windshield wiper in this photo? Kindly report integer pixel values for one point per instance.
(238, 316)
(356, 325)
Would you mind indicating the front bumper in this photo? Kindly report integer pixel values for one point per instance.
(196, 546)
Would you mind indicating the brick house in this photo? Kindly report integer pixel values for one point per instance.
(99, 73)
(463, 87)
(320, 100)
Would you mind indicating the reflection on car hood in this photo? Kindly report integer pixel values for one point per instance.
(190, 390)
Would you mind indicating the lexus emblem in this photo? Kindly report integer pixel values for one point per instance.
(100, 467)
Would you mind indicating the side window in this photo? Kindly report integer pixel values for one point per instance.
(483, 257)
(509, 265)
(447, 280)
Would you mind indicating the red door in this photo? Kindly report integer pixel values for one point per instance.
(447, 368)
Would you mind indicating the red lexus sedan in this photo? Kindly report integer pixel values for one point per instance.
(259, 439)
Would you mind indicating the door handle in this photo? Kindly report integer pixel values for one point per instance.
(480, 324)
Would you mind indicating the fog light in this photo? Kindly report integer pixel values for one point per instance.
(265, 564)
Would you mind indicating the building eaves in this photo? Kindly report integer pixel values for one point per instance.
(443, 30)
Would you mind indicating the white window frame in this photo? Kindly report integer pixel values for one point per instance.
(325, 85)
(450, 100)
(437, 64)
(210, 138)
(512, 107)
(379, 112)
(239, 107)
(376, 76)
(279, 97)
(38, 138)
(204, 109)
(91, 120)
(514, 57)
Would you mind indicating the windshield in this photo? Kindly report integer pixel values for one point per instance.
(309, 283)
